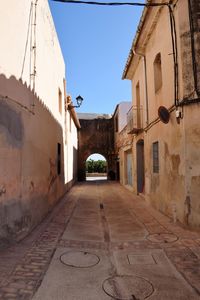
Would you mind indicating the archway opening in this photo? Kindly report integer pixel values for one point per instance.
(96, 167)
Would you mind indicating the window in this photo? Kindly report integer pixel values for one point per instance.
(157, 65)
(155, 157)
(60, 101)
(58, 158)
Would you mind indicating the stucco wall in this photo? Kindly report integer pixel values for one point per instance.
(156, 44)
(31, 122)
(174, 190)
(190, 46)
(71, 150)
(192, 167)
(166, 189)
(123, 140)
(17, 37)
(30, 184)
(123, 108)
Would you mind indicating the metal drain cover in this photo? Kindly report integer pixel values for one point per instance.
(126, 287)
(79, 259)
(162, 238)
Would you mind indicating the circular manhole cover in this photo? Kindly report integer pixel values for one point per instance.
(79, 259)
(162, 238)
(126, 287)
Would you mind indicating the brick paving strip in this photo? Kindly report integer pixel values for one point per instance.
(22, 274)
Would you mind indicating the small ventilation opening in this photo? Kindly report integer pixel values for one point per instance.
(101, 206)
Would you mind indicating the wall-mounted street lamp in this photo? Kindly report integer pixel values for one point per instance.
(79, 101)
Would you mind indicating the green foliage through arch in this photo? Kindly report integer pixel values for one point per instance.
(96, 166)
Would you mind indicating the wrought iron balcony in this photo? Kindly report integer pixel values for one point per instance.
(135, 119)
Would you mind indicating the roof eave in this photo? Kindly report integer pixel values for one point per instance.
(134, 43)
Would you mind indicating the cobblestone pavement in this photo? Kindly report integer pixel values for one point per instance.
(116, 221)
(23, 265)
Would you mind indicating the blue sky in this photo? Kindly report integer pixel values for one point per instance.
(95, 43)
(96, 156)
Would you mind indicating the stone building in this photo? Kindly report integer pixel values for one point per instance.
(96, 136)
(123, 145)
(164, 68)
(38, 131)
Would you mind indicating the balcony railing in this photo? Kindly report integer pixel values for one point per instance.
(135, 119)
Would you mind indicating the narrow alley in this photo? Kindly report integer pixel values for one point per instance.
(102, 242)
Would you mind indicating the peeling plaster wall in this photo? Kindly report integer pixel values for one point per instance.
(29, 183)
(190, 56)
(196, 24)
(185, 50)
(165, 190)
(192, 146)
(174, 190)
(31, 122)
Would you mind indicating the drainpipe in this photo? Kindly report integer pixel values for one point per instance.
(146, 84)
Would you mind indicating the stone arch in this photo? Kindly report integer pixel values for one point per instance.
(96, 136)
(99, 169)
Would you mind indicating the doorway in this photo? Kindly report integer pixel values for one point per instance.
(140, 166)
(129, 177)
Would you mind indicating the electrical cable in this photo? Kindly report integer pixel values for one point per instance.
(172, 24)
(189, 101)
(112, 3)
(27, 38)
(175, 53)
(31, 46)
(176, 56)
(7, 98)
(176, 3)
(33, 50)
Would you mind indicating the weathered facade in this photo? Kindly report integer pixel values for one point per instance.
(38, 135)
(123, 144)
(96, 136)
(164, 68)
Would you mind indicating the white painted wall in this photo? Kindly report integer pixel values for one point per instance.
(30, 184)
(123, 108)
(16, 33)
